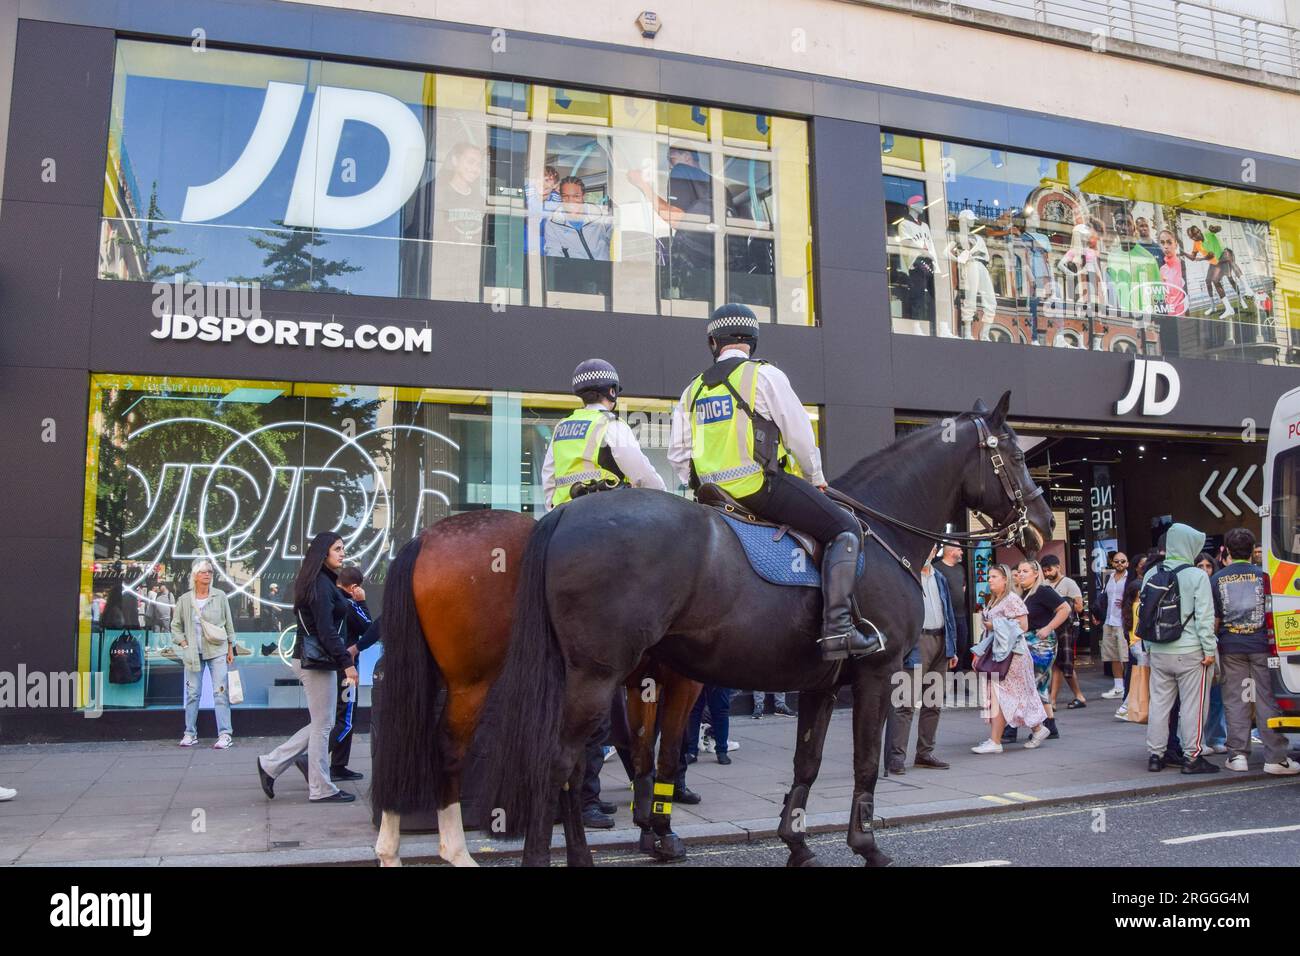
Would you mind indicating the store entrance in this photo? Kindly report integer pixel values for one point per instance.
(1118, 491)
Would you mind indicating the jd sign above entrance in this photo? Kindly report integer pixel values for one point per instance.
(1144, 385)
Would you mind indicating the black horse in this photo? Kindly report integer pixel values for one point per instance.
(609, 578)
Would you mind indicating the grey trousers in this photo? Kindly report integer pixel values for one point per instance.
(314, 738)
(1238, 670)
(933, 662)
(778, 699)
(1178, 676)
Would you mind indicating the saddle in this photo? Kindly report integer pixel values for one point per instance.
(713, 496)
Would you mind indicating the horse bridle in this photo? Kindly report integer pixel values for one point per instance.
(1004, 534)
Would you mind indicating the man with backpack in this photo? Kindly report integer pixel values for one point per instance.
(1176, 624)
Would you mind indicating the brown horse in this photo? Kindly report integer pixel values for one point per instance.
(448, 608)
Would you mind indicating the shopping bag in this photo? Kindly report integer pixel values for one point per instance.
(235, 687)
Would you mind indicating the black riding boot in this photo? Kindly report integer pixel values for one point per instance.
(840, 636)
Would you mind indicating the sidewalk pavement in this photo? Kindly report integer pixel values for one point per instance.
(153, 803)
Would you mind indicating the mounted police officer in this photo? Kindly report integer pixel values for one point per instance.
(740, 426)
(593, 448)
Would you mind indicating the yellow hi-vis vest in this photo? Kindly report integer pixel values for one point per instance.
(722, 432)
(576, 450)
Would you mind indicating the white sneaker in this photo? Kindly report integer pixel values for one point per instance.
(1228, 310)
(989, 746)
(223, 742)
(1115, 693)
(1217, 748)
(731, 745)
(1237, 763)
(1122, 713)
(7, 794)
(1286, 768)
(189, 740)
(1037, 737)
(1254, 738)
(609, 752)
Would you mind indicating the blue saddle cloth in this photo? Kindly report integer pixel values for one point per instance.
(777, 562)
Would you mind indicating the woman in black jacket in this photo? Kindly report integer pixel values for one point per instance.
(319, 651)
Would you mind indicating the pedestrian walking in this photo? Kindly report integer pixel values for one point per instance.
(949, 564)
(204, 628)
(718, 700)
(319, 649)
(1176, 622)
(1114, 645)
(1012, 701)
(1216, 726)
(1137, 655)
(1239, 592)
(1046, 612)
(933, 656)
(1066, 635)
(778, 704)
(356, 622)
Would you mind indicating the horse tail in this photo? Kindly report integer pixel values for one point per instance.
(528, 698)
(408, 760)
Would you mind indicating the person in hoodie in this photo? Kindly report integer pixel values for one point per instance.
(1183, 668)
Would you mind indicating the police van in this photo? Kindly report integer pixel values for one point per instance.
(1281, 545)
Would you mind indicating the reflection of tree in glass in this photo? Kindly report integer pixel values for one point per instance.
(149, 249)
(121, 500)
(291, 261)
(120, 503)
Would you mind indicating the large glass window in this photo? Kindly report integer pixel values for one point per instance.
(311, 175)
(987, 244)
(245, 472)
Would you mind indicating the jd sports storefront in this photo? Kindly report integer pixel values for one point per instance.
(252, 289)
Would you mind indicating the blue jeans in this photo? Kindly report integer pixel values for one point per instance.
(718, 700)
(220, 698)
(1216, 724)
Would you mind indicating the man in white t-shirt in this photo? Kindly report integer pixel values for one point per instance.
(1114, 642)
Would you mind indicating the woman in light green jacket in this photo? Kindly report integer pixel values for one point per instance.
(212, 647)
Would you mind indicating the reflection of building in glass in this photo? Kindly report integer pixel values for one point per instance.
(1049, 252)
(672, 207)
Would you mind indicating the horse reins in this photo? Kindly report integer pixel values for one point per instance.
(997, 536)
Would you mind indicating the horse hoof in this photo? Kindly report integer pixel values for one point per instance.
(802, 857)
(647, 842)
(669, 849)
(873, 856)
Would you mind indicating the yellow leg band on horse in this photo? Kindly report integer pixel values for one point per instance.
(663, 789)
(662, 808)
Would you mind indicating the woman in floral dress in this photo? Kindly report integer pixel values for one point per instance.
(1014, 701)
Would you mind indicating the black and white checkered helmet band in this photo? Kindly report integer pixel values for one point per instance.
(733, 320)
(594, 373)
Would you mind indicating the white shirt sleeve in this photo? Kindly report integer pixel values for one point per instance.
(679, 440)
(548, 477)
(776, 400)
(631, 460)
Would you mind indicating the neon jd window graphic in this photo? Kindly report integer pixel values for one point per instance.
(310, 204)
(1145, 384)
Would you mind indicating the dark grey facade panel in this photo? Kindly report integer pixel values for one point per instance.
(47, 279)
(857, 351)
(1075, 385)
(851, 432)
(44, 480)
(848, 195)
(437, 45)
(58, 117)
(43, 636)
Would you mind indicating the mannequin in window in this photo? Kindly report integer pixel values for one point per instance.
(919, 257)
(971, 254)
(1080, 263)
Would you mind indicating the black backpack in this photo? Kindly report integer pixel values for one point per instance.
(1160, 619)
(124, 660)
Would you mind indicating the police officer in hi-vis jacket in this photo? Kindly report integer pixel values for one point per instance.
(740, 426)
(593, 446)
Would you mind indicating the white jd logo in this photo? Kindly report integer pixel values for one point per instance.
(1144, 383)
(309, 203)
